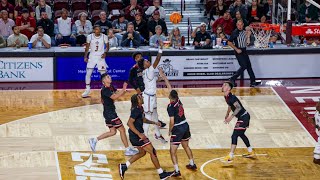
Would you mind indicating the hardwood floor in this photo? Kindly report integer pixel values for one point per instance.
(37, 124)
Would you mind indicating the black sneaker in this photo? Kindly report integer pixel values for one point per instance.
(162, 124)
(176, 174)
(166, 175)
(254, 84)
(191, 167)
(122, 169)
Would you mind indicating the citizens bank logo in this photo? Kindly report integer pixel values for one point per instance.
(168, 68)
(12, 70)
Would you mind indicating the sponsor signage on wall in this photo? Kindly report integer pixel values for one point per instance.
(74, 68)
(198, 67)
(26, 69)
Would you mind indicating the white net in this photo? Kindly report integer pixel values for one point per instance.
(262, 37)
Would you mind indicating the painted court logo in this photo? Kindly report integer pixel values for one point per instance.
(168, 68)
(84, 166)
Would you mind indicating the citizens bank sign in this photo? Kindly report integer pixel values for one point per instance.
(26, 69)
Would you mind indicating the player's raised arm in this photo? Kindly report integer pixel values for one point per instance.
(156, 62)
(164, 77)
(120, 93)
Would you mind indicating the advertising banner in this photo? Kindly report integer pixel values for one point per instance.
(74, 68)
(15, 69)
(198, 67)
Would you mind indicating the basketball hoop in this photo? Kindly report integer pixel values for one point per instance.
(262, 33)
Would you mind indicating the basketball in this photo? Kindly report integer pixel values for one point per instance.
(175, 17)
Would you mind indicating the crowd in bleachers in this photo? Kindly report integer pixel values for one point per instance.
(223, 15)
(71, 21)
(141, 22)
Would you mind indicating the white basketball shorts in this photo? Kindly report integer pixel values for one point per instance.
(149, 102)
(97, 61)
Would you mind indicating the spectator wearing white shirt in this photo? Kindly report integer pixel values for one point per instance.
(6, 25)
(43, 7)
(156, 6)
(84, 28)
(40, 40)
(65, 29)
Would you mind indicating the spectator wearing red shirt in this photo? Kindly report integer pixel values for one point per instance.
(131, 10)
(226, 22)
(26, 23)
(23, 5)
(8, 7)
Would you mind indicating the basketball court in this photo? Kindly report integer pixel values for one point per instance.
(44, 135)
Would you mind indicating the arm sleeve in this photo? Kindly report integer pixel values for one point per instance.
(38, 13)
(89, 37)
(49, 12)
(73, 28)
(151, 42)
(56, 27)
(232, 37)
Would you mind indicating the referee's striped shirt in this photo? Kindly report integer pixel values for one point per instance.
(238, 38)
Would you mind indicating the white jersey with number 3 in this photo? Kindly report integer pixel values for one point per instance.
(317, 121)
(97, 44)
(150, 81)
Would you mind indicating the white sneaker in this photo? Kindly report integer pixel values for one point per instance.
(93, 143)
(130, 152)
(160, 138)
(86, 93)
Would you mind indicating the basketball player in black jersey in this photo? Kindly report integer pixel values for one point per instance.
(136, 76)
(242, 123)
(178, 128)
(108, 95)
(139, 140)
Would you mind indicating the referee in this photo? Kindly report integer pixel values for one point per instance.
(238, 41)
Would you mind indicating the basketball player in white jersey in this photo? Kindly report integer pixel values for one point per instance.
(149, 95)
(97, 42)
(316, 151)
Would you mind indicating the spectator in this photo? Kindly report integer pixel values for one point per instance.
(158, 38)
(308, 19)
(307, 9)
(47, 25)
(156, 7)
(26, 23)
(218, 10)
(104, 23)
(140, 25)
(202, 39)
(131, 10)
(254, 12)
(129, 36)
(84, 28)
(23, 5)
(120, 26)
(113, 41)
(65, 29)
(237, 18)
(8, 7)
(238, 6)
(175, 37)
(216, 35)
(29, 2)
(17, 39)
(157, 21)
(2, 42)
(226, 22)
(6, 25)
(267, 9)
(43, 7)
(250, 36)
(40, 40)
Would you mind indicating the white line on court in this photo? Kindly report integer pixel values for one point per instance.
(204, 164)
